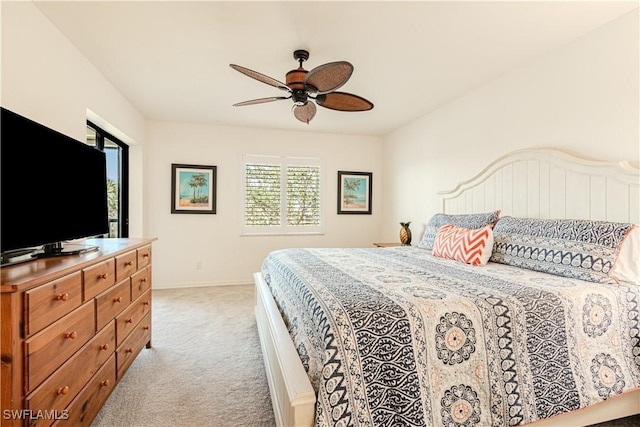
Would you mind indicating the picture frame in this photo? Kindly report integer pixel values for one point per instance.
(193, 189)
(354, 192)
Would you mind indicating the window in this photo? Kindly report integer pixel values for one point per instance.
(117, 153)
(281, 195)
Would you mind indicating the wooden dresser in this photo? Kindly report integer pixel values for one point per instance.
(71, 327)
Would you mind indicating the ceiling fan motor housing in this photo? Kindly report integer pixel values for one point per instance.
(299, 97)
(295, 79)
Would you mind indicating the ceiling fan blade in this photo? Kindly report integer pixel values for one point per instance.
(343, 101)
(305, 112)
(260, 77)
(329, 77)
(261, 100)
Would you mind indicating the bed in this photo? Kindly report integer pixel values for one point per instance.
(400, 336)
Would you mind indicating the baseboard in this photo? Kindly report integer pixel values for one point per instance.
(200, 284)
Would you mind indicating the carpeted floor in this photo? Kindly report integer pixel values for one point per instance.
(205, 368)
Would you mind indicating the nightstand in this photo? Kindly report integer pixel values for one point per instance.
(386, 245)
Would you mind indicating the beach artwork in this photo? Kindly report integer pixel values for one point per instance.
(354, 192)
(193, 189)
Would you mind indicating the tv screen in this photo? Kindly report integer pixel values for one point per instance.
(53, 188)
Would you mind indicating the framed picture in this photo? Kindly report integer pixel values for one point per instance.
(193, 189)
(354, 192)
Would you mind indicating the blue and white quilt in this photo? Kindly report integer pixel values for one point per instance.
(397, 337)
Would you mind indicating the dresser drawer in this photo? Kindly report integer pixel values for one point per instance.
(140, 282)
(128, 319)
(98, 278)
(65, 383)
(131, 346)
(144, 256)
(126, 264)
(87, 404)
(111, 302)
(49, 348)
(46, 304)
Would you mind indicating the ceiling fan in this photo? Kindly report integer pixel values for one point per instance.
(303, 86)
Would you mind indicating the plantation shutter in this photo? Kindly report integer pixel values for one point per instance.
(281, 195)
(262, 206)
(303, 195)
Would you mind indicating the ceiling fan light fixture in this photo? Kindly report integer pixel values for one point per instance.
(305, 112)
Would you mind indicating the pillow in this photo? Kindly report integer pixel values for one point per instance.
(580, 249)
(472, 221)
(627, 265)
(463, 244)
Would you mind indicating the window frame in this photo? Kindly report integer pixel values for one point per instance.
(123, 184)
(283, 228)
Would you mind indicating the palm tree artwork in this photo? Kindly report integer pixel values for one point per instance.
(197, 182)
(194, 189)
(354, 192)
(350, 196)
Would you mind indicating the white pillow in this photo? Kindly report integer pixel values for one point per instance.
(627, 265)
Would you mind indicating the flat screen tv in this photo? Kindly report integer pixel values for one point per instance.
(53, 189)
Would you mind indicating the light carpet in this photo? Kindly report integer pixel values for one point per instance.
(205, 368)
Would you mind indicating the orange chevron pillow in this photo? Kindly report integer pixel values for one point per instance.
(462, 244)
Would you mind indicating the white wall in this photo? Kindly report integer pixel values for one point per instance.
(582, 98)
(184, 240)
(46, 79)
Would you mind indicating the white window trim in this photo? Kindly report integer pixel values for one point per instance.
(283, 229)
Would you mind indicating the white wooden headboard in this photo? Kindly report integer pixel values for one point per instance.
(548, 183)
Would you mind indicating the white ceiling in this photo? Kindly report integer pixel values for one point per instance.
(171, 59)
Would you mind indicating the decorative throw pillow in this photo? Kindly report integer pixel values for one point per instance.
(463, 244)
(472, 221)
(581, 249)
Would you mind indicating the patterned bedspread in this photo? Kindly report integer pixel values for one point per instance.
(397, 337)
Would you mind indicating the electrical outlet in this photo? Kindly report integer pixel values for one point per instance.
(198, 265)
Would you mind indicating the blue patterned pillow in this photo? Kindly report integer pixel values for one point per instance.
(580, 249)
(471, 221)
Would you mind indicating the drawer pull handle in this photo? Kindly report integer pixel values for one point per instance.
(63, 390)
(103, 276)
(128, 321)
(62, 297)
(104, 383)
(129, 350)
(104, 347)
(145, 255)
(128, 263)
(117, 299)
(71, 335)
(143, 280)
(145, 303)
(146, 328)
